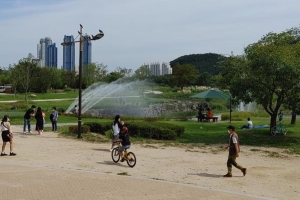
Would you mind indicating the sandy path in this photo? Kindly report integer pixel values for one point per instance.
(271, 172)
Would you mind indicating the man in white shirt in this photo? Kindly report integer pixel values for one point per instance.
(249, 125)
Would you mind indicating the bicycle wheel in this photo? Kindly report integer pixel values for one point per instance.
(115, 155)
(273, 131)
(131, 159)
(283, 131)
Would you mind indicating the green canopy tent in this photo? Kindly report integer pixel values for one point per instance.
(213, 94)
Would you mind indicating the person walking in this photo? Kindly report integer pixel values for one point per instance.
(7, 136)
(53, 118)
(29, 113)
(39, 120)
(234, 149)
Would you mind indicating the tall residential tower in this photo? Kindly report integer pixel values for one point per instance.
(51, 56)
(87, 51)
(69, 54)
(42, 50)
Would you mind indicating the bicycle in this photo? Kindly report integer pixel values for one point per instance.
(278, 129)
(128, 156)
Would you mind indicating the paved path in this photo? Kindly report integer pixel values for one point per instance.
(51, 167)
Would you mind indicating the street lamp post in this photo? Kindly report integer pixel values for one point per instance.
(81, 40)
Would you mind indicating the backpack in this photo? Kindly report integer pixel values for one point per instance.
(51, 117)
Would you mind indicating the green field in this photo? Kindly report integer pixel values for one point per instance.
(196, 133)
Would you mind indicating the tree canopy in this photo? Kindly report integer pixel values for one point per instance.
(268, 72)
(204, 63)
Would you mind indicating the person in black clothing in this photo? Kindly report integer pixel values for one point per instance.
(234, 149)
(29, 113)
(124, 136)
(39, 120)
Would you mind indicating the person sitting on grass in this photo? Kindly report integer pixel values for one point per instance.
(249, 125)
(124, 136)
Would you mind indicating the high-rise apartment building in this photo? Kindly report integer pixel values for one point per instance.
(86, 51)
(42, 50)
(51, 56)
(69, 54)
(157, 69)
(166, 68)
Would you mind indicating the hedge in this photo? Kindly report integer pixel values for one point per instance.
(151, 130)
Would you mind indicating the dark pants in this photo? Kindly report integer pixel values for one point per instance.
(231, 161)
(54, 125)
(26, 123)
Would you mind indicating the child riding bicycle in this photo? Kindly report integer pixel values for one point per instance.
(124, 136)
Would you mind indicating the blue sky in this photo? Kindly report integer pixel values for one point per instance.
(141, 31)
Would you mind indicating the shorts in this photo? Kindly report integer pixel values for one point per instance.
(122, 148)
(115, 137)
(5, 136)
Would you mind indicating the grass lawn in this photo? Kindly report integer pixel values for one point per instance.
(196, 133)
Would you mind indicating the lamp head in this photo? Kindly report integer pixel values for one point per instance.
(98, 36)
(66, 43)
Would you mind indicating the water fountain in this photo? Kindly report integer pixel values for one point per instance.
(249, 107)
(118, 97)
(135, 98)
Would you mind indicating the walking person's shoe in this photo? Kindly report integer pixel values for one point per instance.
(3, 154)
(12, 154)
(227, 175)
(244, 170)
(24, 132)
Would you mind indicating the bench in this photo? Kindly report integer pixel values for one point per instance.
(205, 119)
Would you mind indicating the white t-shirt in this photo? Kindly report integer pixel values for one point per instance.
(4, 126)
(116, 129)
(250, 124)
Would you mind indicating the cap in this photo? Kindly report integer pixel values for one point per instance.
(231, 127)
(124, 129)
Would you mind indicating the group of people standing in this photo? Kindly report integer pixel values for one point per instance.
(39, 115)
(7, 134)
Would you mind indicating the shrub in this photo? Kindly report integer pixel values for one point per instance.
(74, 129)
(153, 130)
(98, 128)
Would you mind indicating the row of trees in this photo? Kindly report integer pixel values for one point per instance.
(268, 73)
(27, 77)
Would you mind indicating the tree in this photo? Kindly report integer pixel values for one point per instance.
(21, 75)
(142, 73)
(208, 62)
(93, 73)
(113, 76)
(267, 73)
(185, 75)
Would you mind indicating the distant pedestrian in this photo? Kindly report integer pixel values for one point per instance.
(29, 113)
(53, 118)
(7, 136)
(39, 120)
(74, 110)
(280, 116)
(234, 149)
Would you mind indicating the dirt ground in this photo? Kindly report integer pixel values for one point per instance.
(271, 173)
